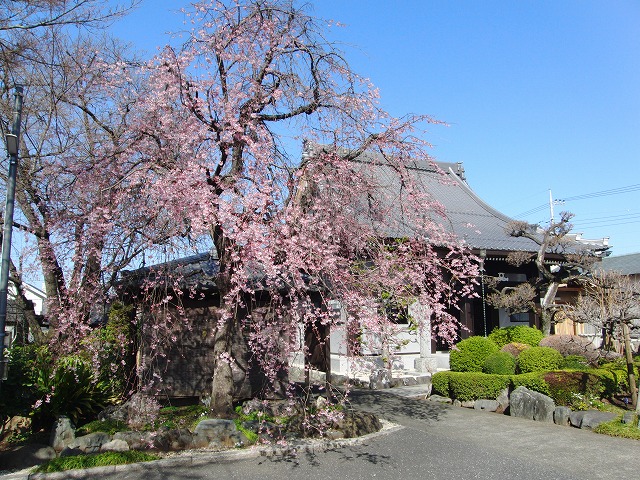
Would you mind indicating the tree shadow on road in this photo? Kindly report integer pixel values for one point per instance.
(395, 408)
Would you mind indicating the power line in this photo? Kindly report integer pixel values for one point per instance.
(602, 193)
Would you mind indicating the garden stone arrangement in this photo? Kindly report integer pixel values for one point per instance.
(262, 423)
(559, 379)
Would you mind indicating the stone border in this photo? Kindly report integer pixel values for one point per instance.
(202, 457)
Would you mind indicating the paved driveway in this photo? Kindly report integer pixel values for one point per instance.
(434, 442)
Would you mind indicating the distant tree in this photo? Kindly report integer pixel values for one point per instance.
(560, 259)
(611, 302)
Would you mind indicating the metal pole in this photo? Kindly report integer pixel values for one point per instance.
(13, 146)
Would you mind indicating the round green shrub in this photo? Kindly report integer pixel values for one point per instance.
(474, 385)
(470, 354)
(500, 363)
(537, 359)
(519, 334)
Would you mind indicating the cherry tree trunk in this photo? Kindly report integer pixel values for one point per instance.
(223, 384)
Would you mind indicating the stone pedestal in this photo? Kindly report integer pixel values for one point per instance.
(426, 364)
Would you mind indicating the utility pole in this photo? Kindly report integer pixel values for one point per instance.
(13, 146)
(551, 206)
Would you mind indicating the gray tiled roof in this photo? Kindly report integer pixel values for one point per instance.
(471, 219)
(625, 264)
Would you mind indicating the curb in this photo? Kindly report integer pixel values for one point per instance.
(199, 458)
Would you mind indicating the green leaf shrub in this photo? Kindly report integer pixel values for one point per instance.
(440, 382)
(564, 385)
(499, 363)
(519, 334)
(536, 359)
(514, 348)
(533, 381)
(71, 390)
(470, 354)
(474, 385)
(574, 362)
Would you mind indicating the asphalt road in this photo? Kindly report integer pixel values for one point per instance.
(433, 442)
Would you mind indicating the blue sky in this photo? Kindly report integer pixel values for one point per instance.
(538, 95)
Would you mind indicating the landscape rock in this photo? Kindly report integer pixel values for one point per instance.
(116, 445)
(136, 440)
(171, 440)
(71, 452)
(439, 399)
(91, 443)
(217, 433)
(628, 418)
(119, 413)
(503, 401)
(380, 379)
(355, 424)
(486, 405)
(591, 418)
(62, 433)
(526, 403)
(26, 456)
(562, 416)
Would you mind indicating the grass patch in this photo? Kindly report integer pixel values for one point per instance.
(107, 426)
(96, 460)
(181, 417)
(616, 428)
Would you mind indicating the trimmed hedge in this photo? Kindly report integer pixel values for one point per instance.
(474, 385)
(440, 382)
(536, 359)
(533, 381)
(563, 384)
(500, 363)
(518, 334)
(470, 354)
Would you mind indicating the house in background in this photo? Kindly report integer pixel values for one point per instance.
(481, 228)
(16, 327)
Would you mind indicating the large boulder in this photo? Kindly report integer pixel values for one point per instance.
(218, 432)
(590, 419)
(136, 440)
(176, 439)
(62, 433)
(562, 416)
(91, 443)
(380, 379)
(533, 405)
(356, 424)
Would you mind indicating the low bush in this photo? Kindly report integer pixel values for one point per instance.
(536, 359)
(470, 354)
(572, 389)
(515, 348)
(440, 383)
(574, 362)
(573, 345)
(618, 371)
(500, 363)
(519, 334)
(533, 381)
(473, 385)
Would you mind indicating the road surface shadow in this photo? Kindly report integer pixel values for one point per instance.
(393, 407)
